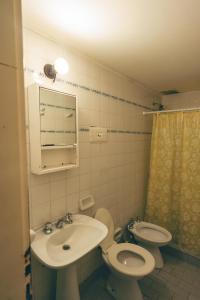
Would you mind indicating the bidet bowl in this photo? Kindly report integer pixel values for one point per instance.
(151, 234)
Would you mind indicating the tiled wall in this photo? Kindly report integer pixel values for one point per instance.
(182, 100)
(115, 172)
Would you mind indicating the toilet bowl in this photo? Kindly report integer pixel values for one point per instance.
(127, 262)
(151, 237)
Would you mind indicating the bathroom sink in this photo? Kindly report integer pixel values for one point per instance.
(66, 245)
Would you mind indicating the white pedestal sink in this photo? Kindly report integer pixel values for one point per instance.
(63, 247)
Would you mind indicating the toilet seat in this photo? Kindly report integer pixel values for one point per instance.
(151, 233)
(127, 262)
(145, 265)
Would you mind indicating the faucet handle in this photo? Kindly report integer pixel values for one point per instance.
(138, 219)
(68, 219)
(130, 224)
(48, 228)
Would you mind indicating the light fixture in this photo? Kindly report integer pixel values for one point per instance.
(37, 78)
(60, 66)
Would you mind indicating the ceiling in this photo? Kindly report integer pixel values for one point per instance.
(156, 42)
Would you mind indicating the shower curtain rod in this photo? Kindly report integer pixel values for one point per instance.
(168, 111)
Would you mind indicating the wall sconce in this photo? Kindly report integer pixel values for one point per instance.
(60, 66)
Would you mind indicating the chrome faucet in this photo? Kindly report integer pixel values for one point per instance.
(48, 228)
(132, 222)
(68, 218)
(138, 220)
(60, 223)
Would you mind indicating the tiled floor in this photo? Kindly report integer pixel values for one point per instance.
(178, 280)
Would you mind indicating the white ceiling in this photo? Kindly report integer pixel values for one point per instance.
(156, 42)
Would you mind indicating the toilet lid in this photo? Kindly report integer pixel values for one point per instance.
(105, 217)
(151, 232)
(131, 259)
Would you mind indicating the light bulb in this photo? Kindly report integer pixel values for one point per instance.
(61, 66)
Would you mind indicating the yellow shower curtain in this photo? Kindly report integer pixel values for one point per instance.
(174, 184)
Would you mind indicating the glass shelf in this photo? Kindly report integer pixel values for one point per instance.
(58, 147)
(57, 106)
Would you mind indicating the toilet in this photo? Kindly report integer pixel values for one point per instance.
(151, 237)
(127, 262)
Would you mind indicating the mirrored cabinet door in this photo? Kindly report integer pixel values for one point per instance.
(53, 130)
(57, 118)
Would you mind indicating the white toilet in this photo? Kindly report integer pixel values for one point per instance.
(127, 262)
(151, 237)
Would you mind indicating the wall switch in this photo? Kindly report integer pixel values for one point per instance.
(98, 134)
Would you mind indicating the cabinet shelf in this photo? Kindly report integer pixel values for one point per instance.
(56, 106)
(56, 169)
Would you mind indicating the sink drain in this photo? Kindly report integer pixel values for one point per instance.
(66, 247)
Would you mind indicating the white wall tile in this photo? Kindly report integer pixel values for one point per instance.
(41, 213)
(40, 193)
(72, 203)
(58, 189)
(58, 207)
(72, 185)
(108, 170)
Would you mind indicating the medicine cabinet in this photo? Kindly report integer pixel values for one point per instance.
(53, 130)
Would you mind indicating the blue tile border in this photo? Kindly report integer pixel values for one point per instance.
(118, 131)
(27, 69)
(84, 129)
(128, 131)
(57, 131)
(87, 129)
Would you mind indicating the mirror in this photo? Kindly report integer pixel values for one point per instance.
(53, 130)
(57, 118)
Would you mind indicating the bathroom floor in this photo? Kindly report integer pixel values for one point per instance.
(178, 280)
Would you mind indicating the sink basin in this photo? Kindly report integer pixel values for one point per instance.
(63, 247)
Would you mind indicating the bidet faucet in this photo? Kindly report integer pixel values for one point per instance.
(138, 220)
(132, 222)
